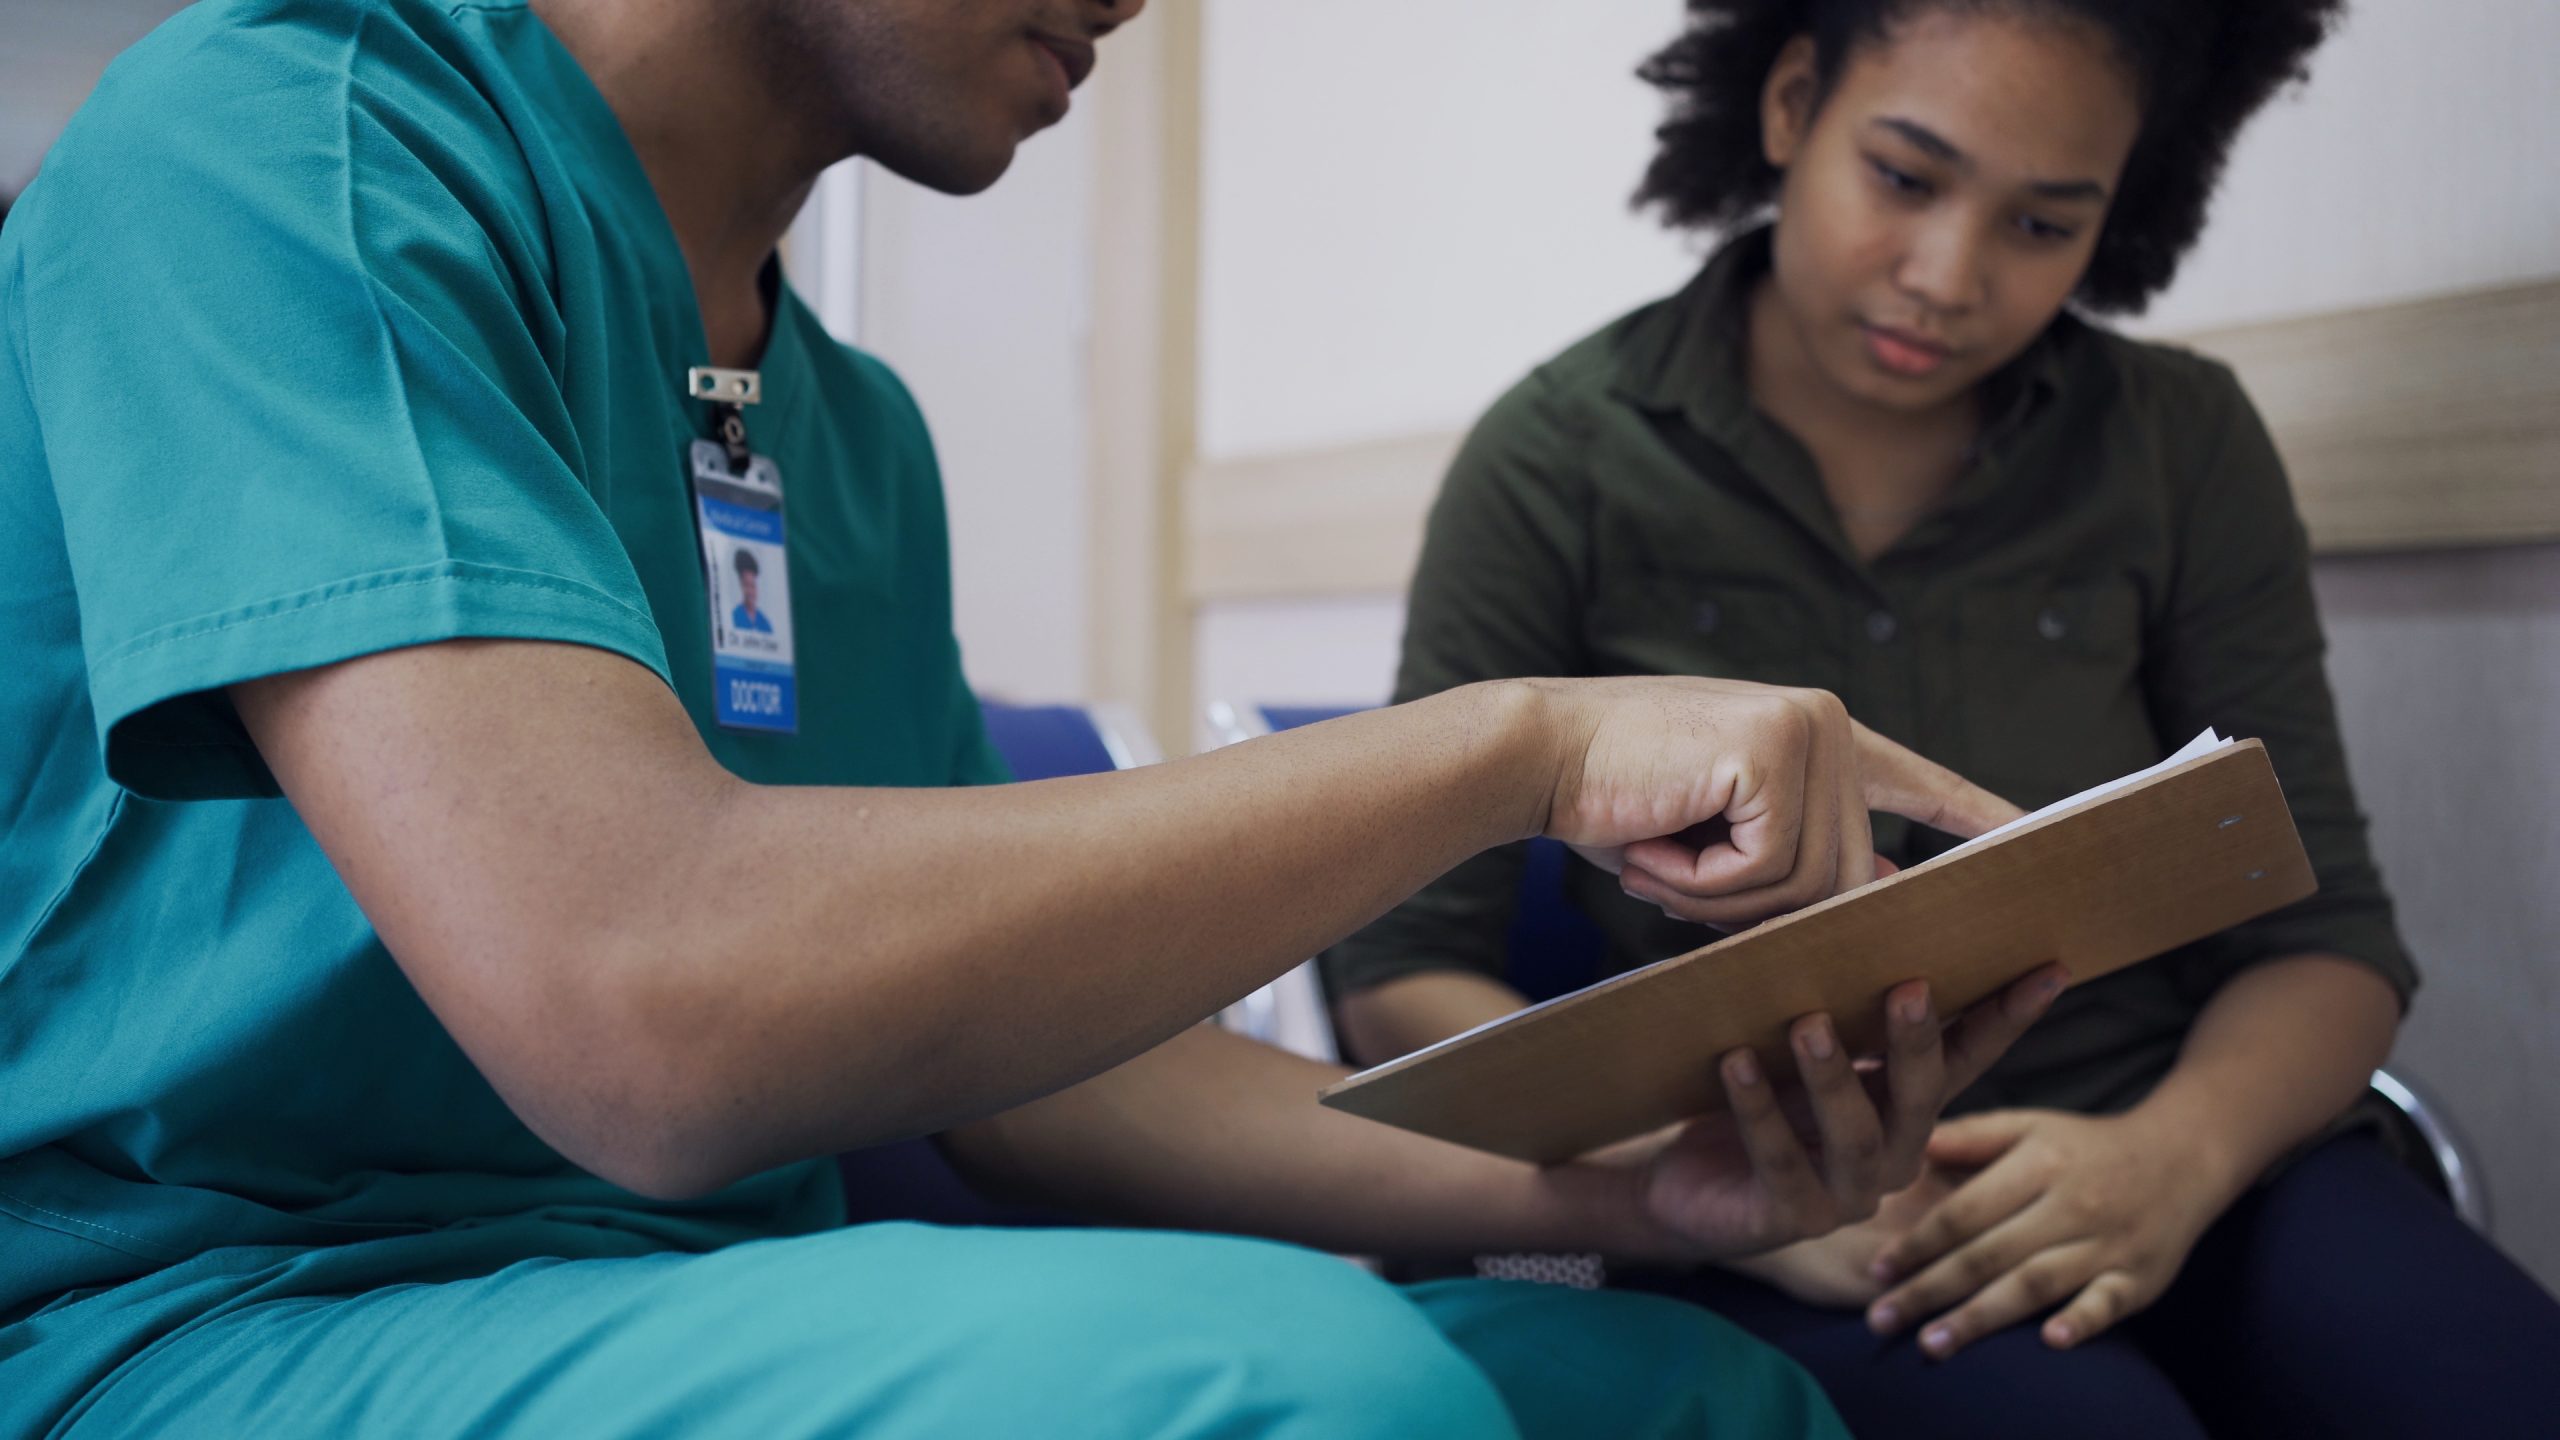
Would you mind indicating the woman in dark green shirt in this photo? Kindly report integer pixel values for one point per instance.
(1874, 448)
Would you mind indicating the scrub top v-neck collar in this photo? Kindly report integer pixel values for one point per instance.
(676, 309)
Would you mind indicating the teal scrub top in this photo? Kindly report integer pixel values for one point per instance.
(330, 327)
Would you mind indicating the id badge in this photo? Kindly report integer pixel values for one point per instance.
(747, 570)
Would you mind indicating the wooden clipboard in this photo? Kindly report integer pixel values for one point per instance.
(2098, 886)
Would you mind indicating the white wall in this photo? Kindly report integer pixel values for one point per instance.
(2424, 156)
(1334, 651)
(982, 304)
(1403, 205)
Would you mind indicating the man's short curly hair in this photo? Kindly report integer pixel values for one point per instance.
(2203, 68)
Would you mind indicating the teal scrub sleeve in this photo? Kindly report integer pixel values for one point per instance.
(295, 360)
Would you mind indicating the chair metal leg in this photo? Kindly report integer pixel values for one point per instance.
(2464, 1184)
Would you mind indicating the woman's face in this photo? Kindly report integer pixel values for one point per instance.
(1940, 204)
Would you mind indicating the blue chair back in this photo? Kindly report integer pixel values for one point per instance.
(1043, 742)
(910, 1179)
(1552, 948)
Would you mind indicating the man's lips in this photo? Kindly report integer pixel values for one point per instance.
(1073, 56)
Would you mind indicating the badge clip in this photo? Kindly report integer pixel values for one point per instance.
(724, 387)
(728, 391)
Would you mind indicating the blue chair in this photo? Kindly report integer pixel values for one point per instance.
(911, 1179)
(1553, 949)
(1043, 742)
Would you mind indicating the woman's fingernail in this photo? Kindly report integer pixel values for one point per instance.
(1817, 1040)
(1937, 1339)
(1880, 1268)
(1882, 1318)
(1912, 1009)
(1745, 1069)
(2060, 1334)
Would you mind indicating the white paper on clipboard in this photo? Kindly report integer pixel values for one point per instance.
(2202, 745)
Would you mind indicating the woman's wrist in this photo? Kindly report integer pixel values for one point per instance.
(2277, 1054)
(2181, 1126)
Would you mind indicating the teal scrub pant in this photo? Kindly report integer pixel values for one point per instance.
(899, 1330)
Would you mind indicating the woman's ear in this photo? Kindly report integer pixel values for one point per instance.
(1787, 102)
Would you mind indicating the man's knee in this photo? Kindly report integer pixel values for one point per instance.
(1579, 1362)
(1126, 1333)
(1298, 1344)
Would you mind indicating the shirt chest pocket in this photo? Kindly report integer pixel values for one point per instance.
(2052, 674)
(1672, 624)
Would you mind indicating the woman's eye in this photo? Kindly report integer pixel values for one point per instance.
(2045, 229)
(1901, 182)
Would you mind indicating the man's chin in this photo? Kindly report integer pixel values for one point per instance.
(952, 169)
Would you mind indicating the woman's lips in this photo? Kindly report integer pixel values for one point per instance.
(1905, 355)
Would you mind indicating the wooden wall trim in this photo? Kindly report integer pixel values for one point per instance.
(2423, 424)
(2415, 425)
(1144, 367)
(1335, 521)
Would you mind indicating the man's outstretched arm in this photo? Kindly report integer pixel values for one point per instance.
(678, 978)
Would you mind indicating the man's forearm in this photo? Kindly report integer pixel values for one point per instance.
(679, 977)
(1211, 1131)
(1008, 972)
(2279, 1052)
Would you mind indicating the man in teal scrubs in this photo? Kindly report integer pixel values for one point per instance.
(427, 994)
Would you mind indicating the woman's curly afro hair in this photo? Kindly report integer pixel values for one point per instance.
(2203, 67)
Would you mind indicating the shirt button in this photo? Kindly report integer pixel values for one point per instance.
(2051, 625)
(1707, 615)
(1880, 627)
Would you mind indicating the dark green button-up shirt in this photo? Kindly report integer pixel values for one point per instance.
(2120, 567)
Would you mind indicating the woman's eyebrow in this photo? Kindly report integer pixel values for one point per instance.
(1939, 148)
(1937, 145)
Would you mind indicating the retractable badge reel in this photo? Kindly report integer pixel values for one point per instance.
(737, 513)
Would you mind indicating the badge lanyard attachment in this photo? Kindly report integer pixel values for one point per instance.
(728, 392)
